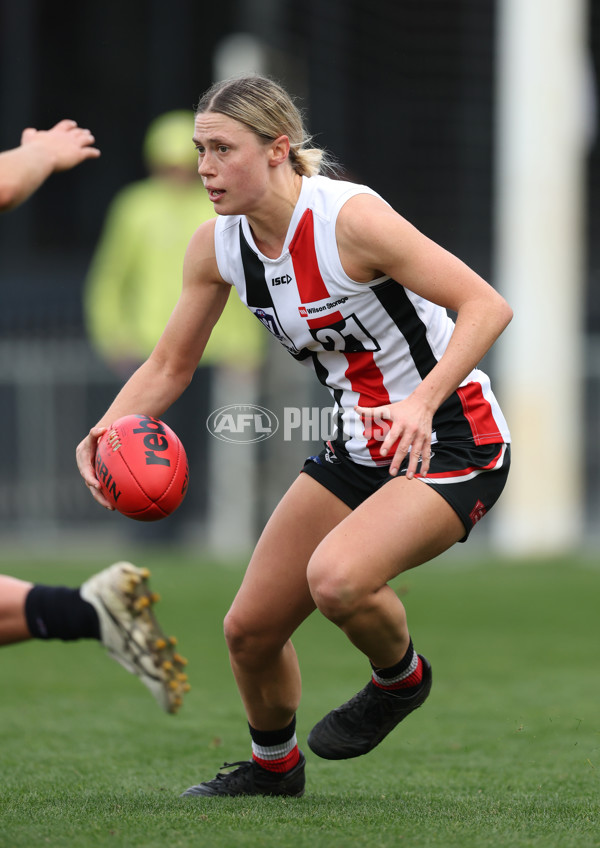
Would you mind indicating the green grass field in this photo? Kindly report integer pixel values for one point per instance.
(506, 752)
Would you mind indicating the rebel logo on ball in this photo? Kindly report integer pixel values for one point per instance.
(155, 440)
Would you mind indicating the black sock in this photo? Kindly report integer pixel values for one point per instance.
(56, 612)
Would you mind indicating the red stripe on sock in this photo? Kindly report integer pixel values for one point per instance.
(282, 765)
(413, 679)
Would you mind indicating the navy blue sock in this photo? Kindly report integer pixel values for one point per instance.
(56, 612)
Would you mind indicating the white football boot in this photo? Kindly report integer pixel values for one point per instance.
(131, 634)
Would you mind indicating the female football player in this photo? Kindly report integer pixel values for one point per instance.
(421, 448)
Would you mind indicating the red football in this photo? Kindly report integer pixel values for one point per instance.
(142, 467)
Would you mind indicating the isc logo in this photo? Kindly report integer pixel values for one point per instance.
(281, 281)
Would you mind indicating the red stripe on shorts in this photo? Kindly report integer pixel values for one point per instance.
(463, 472)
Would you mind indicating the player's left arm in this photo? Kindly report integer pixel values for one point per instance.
(374, 241)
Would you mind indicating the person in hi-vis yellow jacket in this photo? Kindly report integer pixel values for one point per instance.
(135, 275)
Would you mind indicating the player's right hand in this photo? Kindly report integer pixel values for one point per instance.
(85, 454)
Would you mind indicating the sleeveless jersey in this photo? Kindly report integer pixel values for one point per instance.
(369, 343)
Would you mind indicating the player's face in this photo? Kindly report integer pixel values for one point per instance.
(233, 163)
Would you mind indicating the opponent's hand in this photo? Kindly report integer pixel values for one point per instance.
(409, 429)
(85, 455)
(66, 144)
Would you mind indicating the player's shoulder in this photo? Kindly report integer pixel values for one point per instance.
(201, 259)
(204, 235)
(201, 246)
(357, 206)
(328, 196)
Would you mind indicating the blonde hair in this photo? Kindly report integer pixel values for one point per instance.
(267, 109)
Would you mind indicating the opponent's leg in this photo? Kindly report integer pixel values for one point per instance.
(114, 607)
(13, 624)
(131, 633)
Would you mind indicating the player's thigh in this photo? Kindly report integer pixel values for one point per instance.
(403, 524)
(274, 594)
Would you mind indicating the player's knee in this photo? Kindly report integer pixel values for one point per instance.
(248, 642)
(335, 593)
(236, 633)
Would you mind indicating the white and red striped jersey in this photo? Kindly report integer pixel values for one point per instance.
(369, 343)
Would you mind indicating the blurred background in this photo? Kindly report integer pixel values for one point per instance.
(476, 119)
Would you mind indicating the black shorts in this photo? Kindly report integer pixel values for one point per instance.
(468, 476)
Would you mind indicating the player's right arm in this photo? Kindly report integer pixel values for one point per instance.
(167, 372)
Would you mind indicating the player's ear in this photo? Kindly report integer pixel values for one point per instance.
(279, 150)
